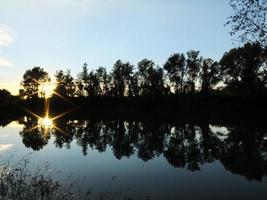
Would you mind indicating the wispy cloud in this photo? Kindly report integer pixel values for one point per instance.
(4, 147)
(79, 3)
(6, 35)
(5, 62)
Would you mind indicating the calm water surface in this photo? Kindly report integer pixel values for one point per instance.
(160, 160)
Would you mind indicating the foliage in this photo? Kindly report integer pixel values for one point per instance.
(249, 21)
(19, 182)
(245, 68)
(65, 84)
(32, 79)
(241, 70)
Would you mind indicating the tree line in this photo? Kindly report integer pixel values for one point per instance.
(241, 70)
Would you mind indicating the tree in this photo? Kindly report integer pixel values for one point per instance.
(121, 78)
(151, 78)
(32, 79)
(82, 81)
(93, 85)
(65, 84)
(103, 79)
(249, 20)
(134, 87)
(210, 75)
(245, 68)
(176, 71)
(193, 62)
(4, 95)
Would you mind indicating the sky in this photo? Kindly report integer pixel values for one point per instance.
(63, 34)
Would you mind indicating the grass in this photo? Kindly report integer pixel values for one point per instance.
(19, 182)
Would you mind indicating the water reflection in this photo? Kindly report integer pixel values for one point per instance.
(242, 150)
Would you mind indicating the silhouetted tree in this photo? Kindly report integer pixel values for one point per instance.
(82, 82)
(176, 71)
(245, 68)
(194, 65)
(151, 80)
(249, 20)
(210, 75)
(4, 95)
(93, 87)
(32, 79)
(133, 85)
(65, 84)
(121, 78)
(104, 80)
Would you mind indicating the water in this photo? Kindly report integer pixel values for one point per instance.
(162, 160)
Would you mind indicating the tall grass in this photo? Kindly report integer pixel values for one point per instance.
(20, 182)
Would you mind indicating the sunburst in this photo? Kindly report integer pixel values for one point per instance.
(46, 122)
(46, 89)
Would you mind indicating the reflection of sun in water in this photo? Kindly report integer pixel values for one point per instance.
(46, 123)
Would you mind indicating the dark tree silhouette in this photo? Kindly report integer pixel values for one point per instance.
(193, 63)
(176, 71)
(245, 68)
(82, 82)
(5, 95)
(93, 87)
(249, 21)
(104, 80)
(210, 75)
(32, 79)
(65, 84)
(121, 78)
(151, 78)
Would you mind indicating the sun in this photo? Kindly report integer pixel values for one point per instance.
(46, 123)
(46, 89)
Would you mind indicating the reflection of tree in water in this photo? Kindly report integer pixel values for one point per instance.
(35, 138)
(240, 150)
(244, 153)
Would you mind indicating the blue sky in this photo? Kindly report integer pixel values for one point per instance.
(63, 34)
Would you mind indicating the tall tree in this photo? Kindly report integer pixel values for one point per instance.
(82, 81)
(249, 21)
(93, 85)
(209, 75)
(151, 80)
(176, 68)
(245, 67)
(133, 86)
(145, 69)
(193, 62)
(121, 75)
(103, 78)
(65, 84)
(32, 79)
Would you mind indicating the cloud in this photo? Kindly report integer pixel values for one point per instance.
(4, 147)
(5, 62)
(71, 3)
(6, 35)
